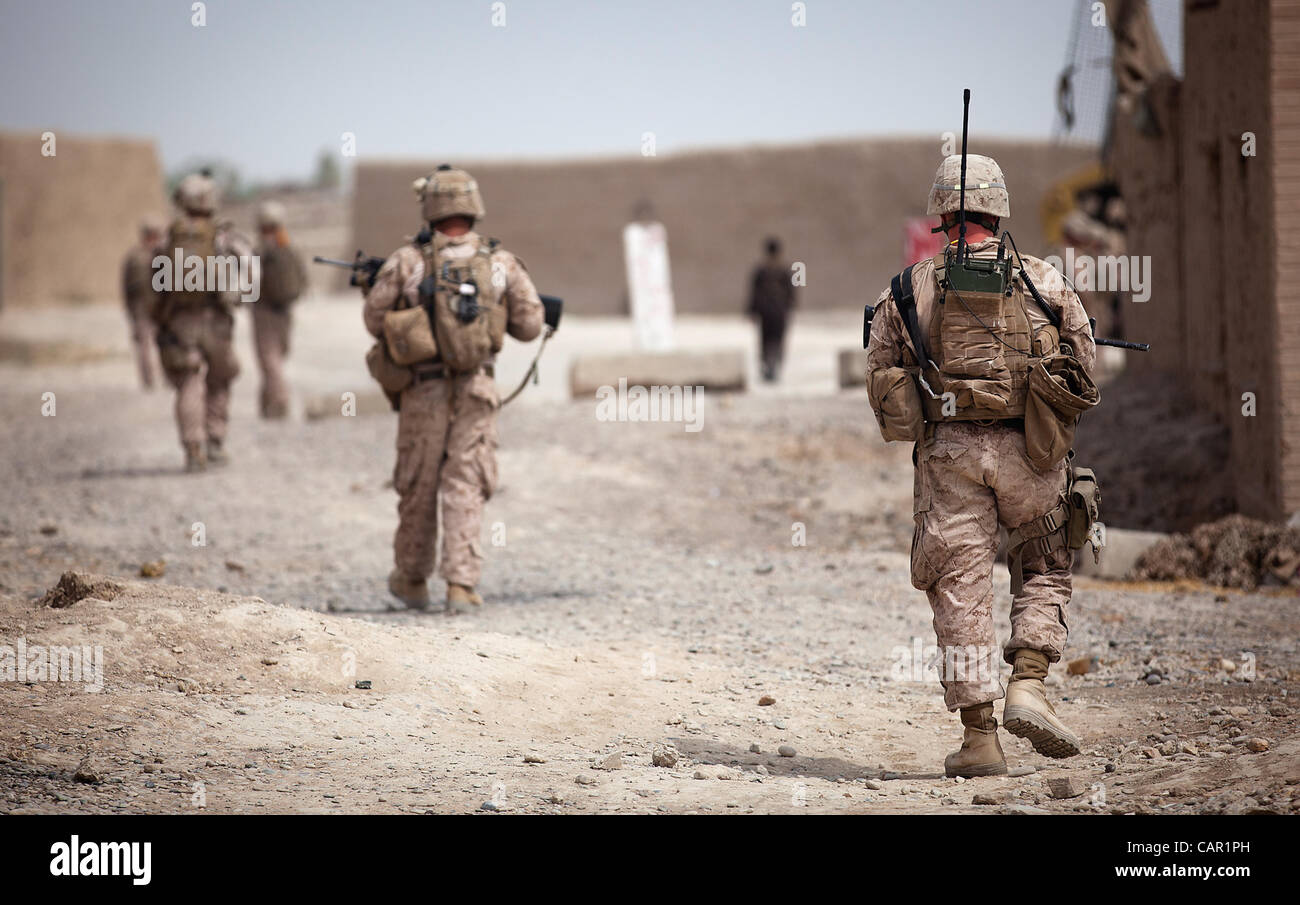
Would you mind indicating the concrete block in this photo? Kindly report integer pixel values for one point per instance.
(713, 369)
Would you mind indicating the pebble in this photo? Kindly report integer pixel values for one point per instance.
(700, 774)
(981, 798)
(766, 701)
(534, 759)
(754, 748)
(1257, 745)
(786, 751)
(874, 785)
(489, 806)
(1153, 679)
(613, 762)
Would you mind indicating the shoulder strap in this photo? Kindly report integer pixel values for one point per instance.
(900, 287)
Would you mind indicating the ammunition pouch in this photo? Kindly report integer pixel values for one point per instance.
(392, 377)
(1069, 526)
(408, 333)
(1060, 391)
(896, 400)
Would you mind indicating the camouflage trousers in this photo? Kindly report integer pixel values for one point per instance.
(143, 332)
(271, 340)
(196, 348)
(969, 480)
(446, 454)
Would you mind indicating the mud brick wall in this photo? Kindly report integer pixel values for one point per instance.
(1220, 230)
(66, 221)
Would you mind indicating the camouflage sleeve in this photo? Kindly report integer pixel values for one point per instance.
(888, 333)
(524, 311)
(399, 277)
(1075, 328)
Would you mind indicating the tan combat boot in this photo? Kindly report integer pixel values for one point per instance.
(217, 454)
(1027, 712)
(980, 753)
(414, 592)
(462, 599)
(195, 459)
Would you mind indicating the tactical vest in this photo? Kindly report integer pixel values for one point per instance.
(189, 236)
(983, 346)
(467, 306)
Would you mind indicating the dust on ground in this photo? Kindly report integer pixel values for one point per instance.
(649, 595)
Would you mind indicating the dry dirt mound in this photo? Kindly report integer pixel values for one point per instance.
(1234, 552)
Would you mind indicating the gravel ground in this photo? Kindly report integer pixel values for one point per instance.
(647, 596)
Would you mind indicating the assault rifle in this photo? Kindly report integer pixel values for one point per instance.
(364, 269)
(977, 275)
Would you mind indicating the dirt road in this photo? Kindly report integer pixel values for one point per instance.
(646, 592)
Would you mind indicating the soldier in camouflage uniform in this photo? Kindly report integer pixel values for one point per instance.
(196, 327)
(137, 293)
(283, 279)
(771, 298)
(973, 474)
(446, 433)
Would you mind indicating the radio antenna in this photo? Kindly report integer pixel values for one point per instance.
(961, 210)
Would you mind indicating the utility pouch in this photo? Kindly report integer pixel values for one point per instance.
(968, 336)
(409, 335)
(896, 400)
(392, 377)
(1060, 391)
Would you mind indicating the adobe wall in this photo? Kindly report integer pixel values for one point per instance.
(66, 221)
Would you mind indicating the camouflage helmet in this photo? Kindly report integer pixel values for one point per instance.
(986, 189)
(196, 194)
(448, 192)
(270, 214)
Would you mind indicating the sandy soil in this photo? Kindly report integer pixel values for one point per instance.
(646, 598)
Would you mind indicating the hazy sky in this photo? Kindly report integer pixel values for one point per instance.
(267, 85)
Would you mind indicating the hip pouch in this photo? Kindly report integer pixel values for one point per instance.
(896, 400)
(1060, 391)
(1072, 525)
(392, 377)
(409, 335)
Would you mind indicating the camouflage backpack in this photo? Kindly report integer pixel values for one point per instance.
(282, 277)
(466, 302)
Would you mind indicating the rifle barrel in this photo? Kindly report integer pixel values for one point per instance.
(1123, 344)
(334, 261)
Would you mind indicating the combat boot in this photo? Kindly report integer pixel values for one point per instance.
(217, 454)
(1027, 712)
(195, 459)
(462, 599)
(414, 592)
(980, 753)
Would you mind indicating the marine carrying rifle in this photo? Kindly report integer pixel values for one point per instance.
(965, 272)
